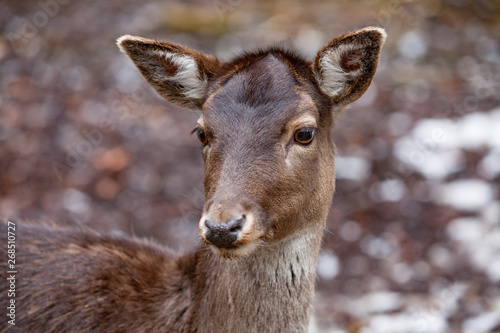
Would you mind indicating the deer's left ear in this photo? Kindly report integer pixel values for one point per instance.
(345, 67)
(178, 73)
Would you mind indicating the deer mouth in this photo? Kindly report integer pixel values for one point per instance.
(237, 251)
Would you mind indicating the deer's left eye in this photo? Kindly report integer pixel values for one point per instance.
(304, 135)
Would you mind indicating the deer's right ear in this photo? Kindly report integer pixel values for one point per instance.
(179, 74)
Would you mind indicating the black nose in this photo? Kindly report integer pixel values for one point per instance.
(224, 234)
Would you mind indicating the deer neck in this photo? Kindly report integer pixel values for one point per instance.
(271, 290)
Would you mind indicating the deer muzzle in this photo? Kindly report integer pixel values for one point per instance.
(229, 227)
(222, 234)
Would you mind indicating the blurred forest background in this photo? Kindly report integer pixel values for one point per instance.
(413, 238)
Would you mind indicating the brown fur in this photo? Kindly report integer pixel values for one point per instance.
(74, 280)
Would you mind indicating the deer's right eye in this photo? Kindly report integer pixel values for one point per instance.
(202, 136)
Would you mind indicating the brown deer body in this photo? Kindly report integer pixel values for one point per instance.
(269, 181)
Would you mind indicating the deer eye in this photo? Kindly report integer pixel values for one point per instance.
(202, 136)
(304, 135)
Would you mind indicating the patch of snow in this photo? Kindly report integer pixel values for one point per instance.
(436, 134)
(490, 164)
(78, 204)
(446, 296)
(376, 247)
(439, 165)
(412, 45)
(376, 302)
(75, 201)
(495, 135)
(424, 158)
(474, 130)
(483, 323)
(481, 241)
(350, 231)
(493, 269)
(466, 229)
(433, 147)
(491, 214)
(352, 167)
(469, 194)
(328, 265)
(407, 322)
(388, 190)
(440, 257)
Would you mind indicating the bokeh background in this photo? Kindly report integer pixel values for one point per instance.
(413, 237)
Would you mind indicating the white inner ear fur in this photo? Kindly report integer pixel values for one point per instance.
(331, 77)
(188, 74)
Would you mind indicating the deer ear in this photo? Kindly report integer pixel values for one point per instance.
(179, 74)
(345, 67)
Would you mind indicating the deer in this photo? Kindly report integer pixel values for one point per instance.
(269, 179)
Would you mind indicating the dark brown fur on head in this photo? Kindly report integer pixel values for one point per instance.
(251, 108)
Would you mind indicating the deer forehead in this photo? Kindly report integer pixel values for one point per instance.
(265, 95)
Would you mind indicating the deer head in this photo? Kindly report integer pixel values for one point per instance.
(265, 129)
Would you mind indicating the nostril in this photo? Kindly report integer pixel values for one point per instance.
(235, 228)
(236, 225)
